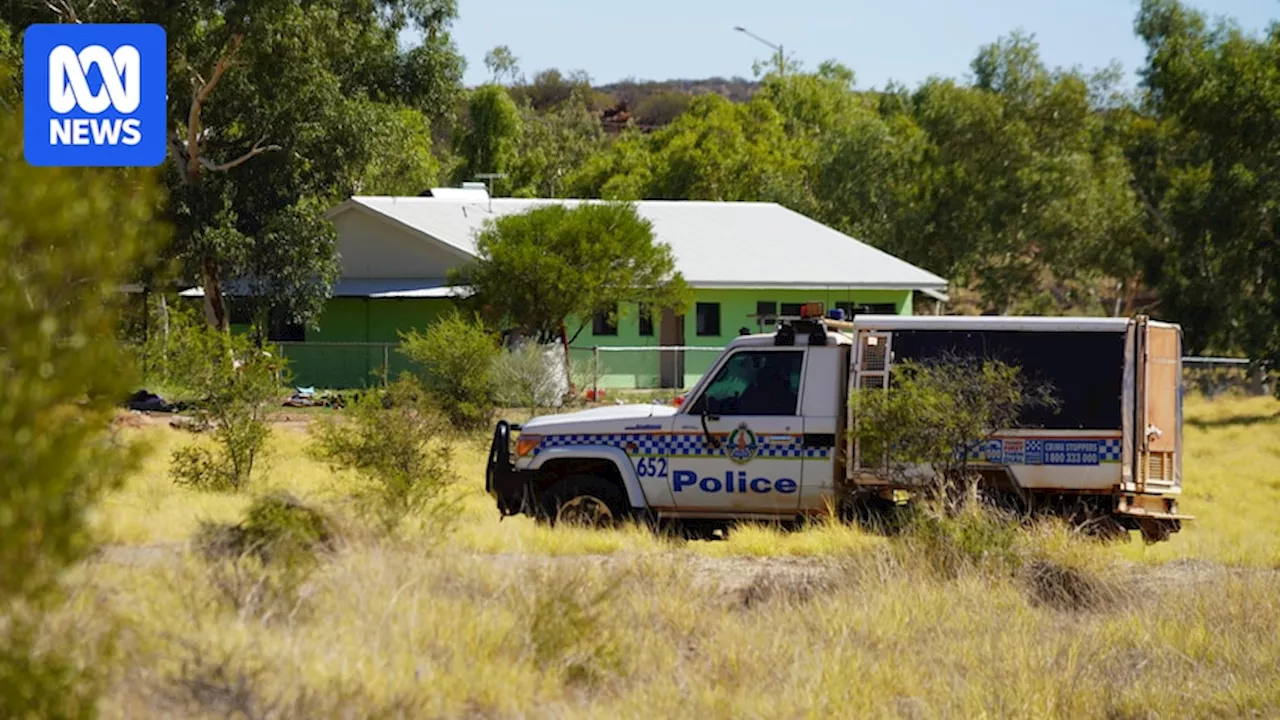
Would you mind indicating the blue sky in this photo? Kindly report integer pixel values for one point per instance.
(903, 40)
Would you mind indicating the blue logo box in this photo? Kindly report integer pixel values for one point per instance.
(94, 95)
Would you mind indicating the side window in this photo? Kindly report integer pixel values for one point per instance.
(708, 319)
(605, 323)
(754, 382)
(646, 320)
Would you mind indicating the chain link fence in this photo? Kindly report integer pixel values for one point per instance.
(614, 371)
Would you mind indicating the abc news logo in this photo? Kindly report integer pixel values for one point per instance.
(69, 89)
(95, 95)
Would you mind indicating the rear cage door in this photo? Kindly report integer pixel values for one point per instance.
(872, 361)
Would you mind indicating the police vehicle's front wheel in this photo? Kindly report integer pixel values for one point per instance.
(585, 500)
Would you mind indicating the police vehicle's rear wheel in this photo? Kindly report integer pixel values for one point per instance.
(585, 500)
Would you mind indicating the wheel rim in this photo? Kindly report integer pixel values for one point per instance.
(584, 510)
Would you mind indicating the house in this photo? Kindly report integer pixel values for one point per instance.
(742, 259)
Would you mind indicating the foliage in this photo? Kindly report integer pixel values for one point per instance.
(69, 237)
(538, 270)
(9, 75)
(936, 415)
(396, 442)
(552, 146)
(488, 143)
(1213, 94)
(235, 386)
(715, 150)
(501, 63)
(527, 378)
(260, 565)
(277, 529)
(661, 108)
(276, 108)
(456, 357)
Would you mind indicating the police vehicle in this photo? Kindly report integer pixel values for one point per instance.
(764, 434)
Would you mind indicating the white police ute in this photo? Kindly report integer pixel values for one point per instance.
(763, 434)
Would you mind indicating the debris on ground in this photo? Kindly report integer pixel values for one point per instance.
(308, 397)
(147, 401)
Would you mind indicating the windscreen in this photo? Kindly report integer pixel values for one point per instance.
(1084, 369)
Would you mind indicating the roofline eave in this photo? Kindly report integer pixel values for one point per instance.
(782, 285)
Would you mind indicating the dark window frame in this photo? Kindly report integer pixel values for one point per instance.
(768, 395)
(1090, 392)
(645, 321)
(698, 321)
(600, 325)
(766, 309)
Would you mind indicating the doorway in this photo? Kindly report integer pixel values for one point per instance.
(671, 363)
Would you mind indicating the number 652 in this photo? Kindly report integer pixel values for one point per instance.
(651, 467)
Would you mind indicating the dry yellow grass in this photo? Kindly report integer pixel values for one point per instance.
(511, 619)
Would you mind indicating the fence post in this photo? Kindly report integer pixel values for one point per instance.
(595, 373)
(386, 364)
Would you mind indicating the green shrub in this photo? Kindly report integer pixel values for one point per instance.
(936, 415)
(277, 529)
(527, 378)
(398, 444)
(69, 237)
(457, 357)
(237, 386)
(975, 537)
(260, 565)
(569, 629)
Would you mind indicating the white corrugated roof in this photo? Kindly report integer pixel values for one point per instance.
(367, 287)
(716, 244)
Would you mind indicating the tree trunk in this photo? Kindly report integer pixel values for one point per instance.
(215, 310)
(568, 364)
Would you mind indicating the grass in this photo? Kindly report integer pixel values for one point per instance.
(511, 619)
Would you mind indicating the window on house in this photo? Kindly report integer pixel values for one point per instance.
(602, 324)
(853, 308)
(287, 332)
(239, 312)
(282, 329)
(646, 321)
(708, 319)
(792, 308)
(765, 310)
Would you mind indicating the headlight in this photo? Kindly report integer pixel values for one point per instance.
(525, 444)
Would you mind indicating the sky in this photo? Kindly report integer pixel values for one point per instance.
(881, 40)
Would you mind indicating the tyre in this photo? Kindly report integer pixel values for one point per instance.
(585, 500)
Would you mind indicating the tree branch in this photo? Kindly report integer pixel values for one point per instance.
(201, 95)
(66, 6)
(258, 149)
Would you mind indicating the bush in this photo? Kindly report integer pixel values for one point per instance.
(236, 386)
(526, 377)
(277, 529)
(936, 416)
(260, 565)
(396, 443)
(974, 537)
(457, 358)
(69, 237)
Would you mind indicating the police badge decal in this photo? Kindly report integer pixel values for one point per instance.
(741, 445)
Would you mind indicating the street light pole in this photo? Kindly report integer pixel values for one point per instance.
(777, 48)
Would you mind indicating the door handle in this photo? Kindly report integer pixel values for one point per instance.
(819, 440)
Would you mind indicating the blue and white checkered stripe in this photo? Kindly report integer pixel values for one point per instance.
(676, 445)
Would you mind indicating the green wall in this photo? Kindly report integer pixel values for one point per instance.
(640, 369)
(363, 320)
(359, 320)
